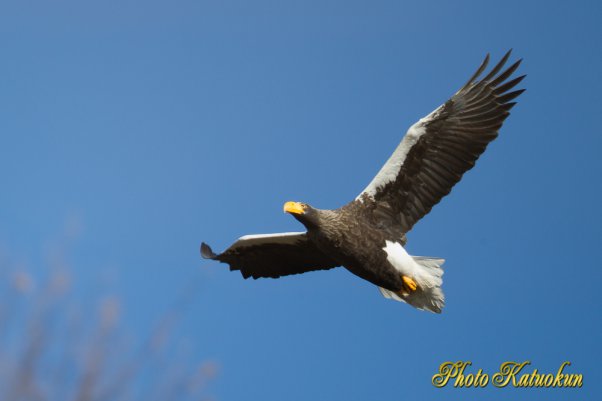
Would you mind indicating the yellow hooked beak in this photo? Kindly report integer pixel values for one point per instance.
(294, 208)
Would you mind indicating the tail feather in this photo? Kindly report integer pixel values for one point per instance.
(428, 274)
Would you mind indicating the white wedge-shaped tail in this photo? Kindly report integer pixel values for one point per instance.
(425, 271)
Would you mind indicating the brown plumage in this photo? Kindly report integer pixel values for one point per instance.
(367, 235)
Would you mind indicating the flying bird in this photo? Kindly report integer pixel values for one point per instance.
(367, 235)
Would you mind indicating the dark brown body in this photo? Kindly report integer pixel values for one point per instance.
(431, 158)
(356, 243)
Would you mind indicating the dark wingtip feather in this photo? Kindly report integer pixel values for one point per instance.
(478, 72)
(206, 251)
(504, 75)
(498, 66)
(508, 106)
(508, 85)
(509, 96)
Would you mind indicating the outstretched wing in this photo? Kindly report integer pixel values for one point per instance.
(442, 146)
(272, 255)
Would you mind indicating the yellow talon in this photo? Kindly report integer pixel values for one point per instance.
(409, 284)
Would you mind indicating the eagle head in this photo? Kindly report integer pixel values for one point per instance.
(302, 212)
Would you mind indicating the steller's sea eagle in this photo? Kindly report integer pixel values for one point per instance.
(367, 235)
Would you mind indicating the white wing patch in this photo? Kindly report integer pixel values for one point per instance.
(390, 170)
(277, 238)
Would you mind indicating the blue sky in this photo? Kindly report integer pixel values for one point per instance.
(157, 125)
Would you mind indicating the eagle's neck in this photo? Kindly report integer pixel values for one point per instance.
(327, 225)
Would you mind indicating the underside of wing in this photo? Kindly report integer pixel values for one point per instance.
(438, 149)
(272, 255)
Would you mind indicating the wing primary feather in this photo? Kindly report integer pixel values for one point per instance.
(508, 106)
(504, 75)
(508, 85)
(473, 95)
(498, 66)
(477, 110)
(478, 72)
(479, 114)
(509, 96)
(424, 168)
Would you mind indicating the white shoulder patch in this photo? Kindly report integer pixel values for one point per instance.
(276, 238)
(390, 170)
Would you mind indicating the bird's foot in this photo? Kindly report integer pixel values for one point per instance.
(408, 286)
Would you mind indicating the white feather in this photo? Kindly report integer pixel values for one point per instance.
(391, 168)
(277, 238)
(426, 272)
